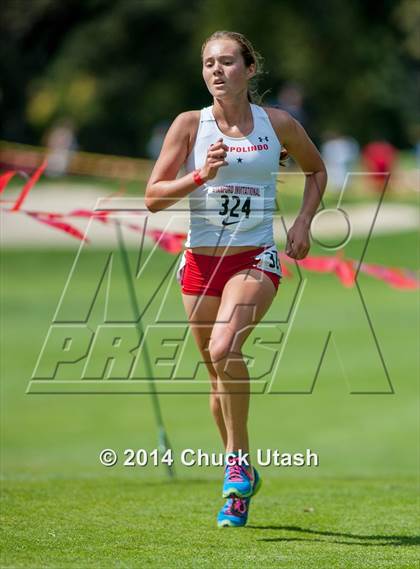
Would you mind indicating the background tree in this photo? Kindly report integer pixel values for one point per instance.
(117, 67)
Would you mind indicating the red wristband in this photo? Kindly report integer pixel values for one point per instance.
(197, 178)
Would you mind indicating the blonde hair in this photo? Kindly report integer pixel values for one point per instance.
(250, 56)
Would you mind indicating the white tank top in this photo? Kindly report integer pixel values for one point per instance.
(236, 207)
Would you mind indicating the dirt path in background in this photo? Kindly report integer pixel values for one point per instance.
(18, 230)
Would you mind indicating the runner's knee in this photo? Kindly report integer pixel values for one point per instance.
(219, 348)
(222, 350)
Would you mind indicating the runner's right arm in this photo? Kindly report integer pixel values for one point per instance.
(163, 188)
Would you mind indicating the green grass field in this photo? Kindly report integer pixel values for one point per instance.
(358, 509)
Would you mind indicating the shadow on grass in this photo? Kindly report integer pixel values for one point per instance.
(366, 540)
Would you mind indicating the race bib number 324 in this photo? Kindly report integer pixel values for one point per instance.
(235, 207)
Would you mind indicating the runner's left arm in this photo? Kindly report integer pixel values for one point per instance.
(294, 138)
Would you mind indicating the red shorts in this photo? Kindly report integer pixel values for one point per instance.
(208, 274)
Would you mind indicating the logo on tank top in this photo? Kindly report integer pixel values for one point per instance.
(252, 147)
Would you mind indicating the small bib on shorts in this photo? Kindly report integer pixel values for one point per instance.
(268, 260)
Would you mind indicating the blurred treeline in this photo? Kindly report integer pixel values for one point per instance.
(118, 67)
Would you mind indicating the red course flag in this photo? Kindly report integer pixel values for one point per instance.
(52, 221)
(345, 269)
(28, 186)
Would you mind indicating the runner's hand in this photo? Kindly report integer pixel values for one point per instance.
(216, 158)
(298, 243)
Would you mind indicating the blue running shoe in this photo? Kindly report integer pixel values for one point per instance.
(234, 513)
(257, 482)
(237, 480)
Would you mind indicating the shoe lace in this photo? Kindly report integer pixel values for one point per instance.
(235, 473)
(236, 506)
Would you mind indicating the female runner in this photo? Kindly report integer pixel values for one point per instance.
(230, 270)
